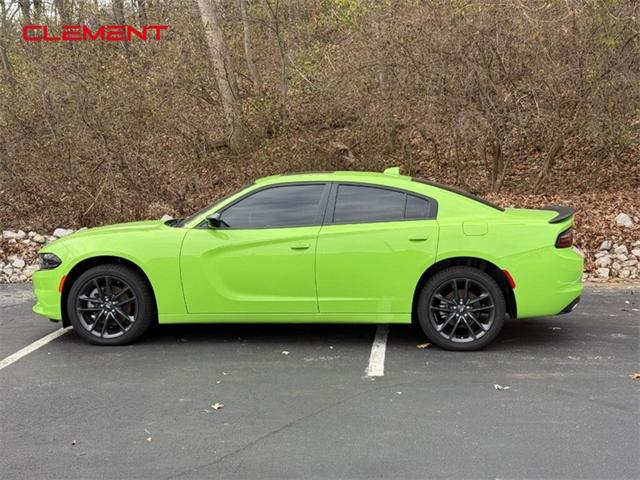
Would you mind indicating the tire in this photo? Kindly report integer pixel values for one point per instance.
(110, 305)
(465, 318)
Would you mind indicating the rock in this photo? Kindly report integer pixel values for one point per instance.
(20, 234)
(636, 243)
(166, 217)
(624, 220)
(630, 263)
(620, 250)
(606, 245)
(603, 261)
(603, 272)
(18, 263)
(9, 234)
(39, 238)
(32, 268)
(616, 266)
(31, 234)
(601, 254)
(61, 232)
(12, 241)
(26, 241)
(624, 273)
(622, 258)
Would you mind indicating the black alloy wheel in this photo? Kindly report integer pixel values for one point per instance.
(461, 308)
(110, 305)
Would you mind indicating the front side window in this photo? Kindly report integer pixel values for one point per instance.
(362, 204)
(284, 206)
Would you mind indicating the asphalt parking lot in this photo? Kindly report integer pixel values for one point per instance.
(71, 410)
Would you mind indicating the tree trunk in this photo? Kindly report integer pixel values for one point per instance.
(284, 62)
(63, 11)
(7, 69)
(549, 161)
(225, 75)
(118, 16)
(254, 73)
(118, 11)
(142, 12)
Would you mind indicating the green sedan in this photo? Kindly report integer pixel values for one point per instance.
(337, 247)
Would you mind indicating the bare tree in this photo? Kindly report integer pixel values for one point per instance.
(225, 74)
(254, 73)
(277, 27)
(142, 11)
(7, 69)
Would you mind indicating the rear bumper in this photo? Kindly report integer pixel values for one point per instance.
(548, 281)
(571, 307)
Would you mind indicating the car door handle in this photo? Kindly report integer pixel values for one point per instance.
(418, 238)
(299, 246)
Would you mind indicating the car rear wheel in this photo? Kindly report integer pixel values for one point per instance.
(110, 305)
(461, 308)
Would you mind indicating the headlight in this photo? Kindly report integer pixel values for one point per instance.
(48, 261)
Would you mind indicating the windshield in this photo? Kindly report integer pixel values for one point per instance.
(181, 222)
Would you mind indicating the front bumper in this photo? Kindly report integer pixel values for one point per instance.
(48, 298)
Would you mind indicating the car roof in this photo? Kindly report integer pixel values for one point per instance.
(389, 177)
(392, 173)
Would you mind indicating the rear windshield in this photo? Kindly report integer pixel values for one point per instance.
(459, 192)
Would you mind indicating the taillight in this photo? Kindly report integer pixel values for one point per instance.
(565, 239)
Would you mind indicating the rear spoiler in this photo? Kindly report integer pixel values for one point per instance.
(562, 213)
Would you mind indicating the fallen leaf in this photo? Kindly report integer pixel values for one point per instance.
(284, 352)
(635, 376)
(148, 439)
(500, 387)
(422, 346)
(399, 393)
(225, 373)
(217, 406)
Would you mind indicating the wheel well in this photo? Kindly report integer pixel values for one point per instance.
(88, 263)
(492, 270)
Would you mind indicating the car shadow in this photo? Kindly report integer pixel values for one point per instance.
(516, 334)
(266, 334)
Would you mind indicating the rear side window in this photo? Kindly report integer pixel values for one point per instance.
(417, 207)
(286, 206)
(360, 204)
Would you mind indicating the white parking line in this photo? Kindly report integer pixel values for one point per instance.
(378, 349)
(32, 347)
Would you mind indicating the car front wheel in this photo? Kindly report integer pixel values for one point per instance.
(110, 305)
(461, 308)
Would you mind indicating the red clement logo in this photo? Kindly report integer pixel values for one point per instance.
(82, 33)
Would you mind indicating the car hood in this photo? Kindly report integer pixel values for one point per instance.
(116, 228)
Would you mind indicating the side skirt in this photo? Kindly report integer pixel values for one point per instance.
(354, 318)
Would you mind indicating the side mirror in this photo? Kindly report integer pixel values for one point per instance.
(213, 221)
